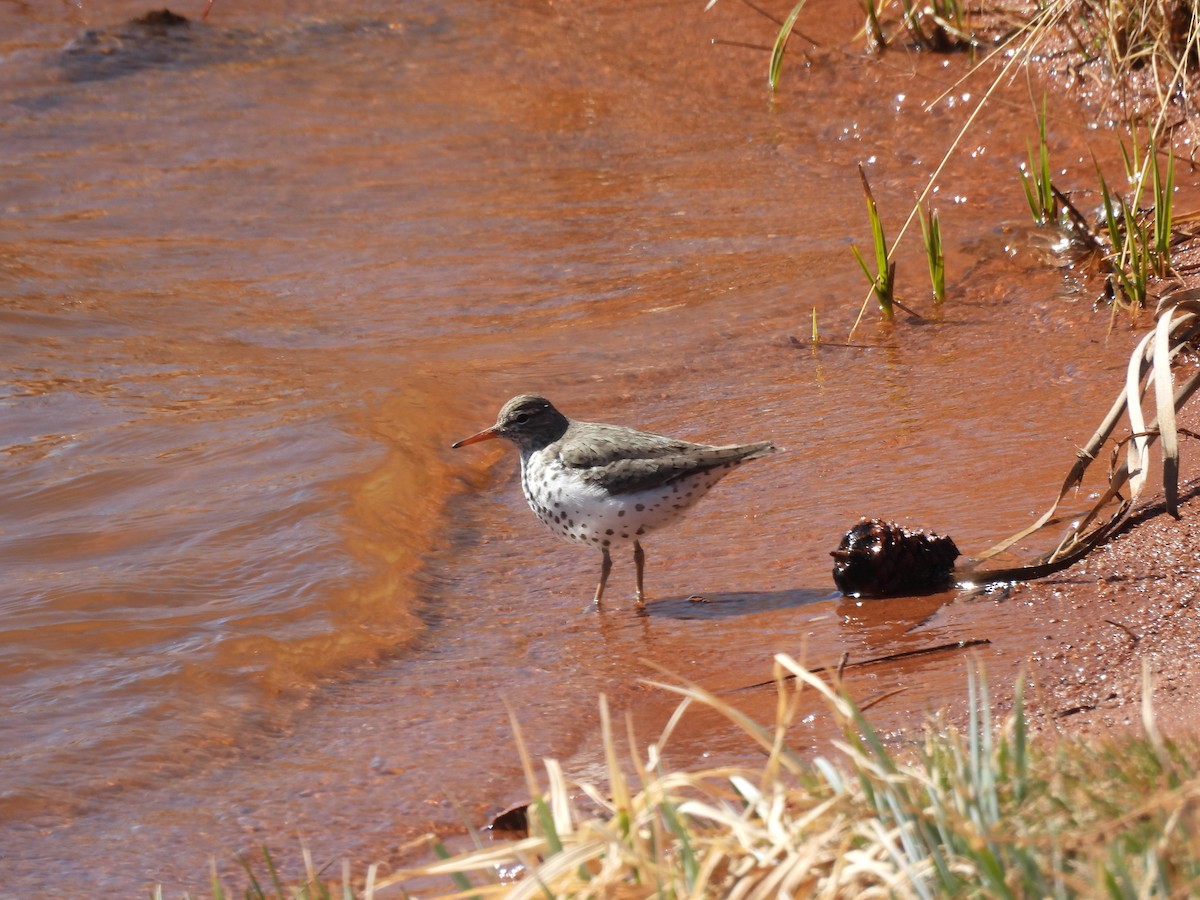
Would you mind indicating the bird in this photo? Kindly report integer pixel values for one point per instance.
(607, 485)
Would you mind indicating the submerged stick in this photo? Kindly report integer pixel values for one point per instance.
(891, 657)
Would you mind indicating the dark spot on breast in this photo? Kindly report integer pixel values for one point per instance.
(608, 531)
(641, 530)
(640, 507)
(620, 513)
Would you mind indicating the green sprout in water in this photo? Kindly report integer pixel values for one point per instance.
(931, 232)
(781, 40)
(876, 39)
(883, 279)
(1039, 191)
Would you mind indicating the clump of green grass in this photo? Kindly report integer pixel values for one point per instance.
(1035, 179)
(980, 812)
(1135, 241)
(1124, 37)
(1139, 238)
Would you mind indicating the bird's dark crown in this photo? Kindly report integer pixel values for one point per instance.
(530, 421)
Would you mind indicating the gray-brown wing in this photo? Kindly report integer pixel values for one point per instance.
(588, 445)
(621, 472)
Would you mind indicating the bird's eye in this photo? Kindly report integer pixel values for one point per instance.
(522, 418)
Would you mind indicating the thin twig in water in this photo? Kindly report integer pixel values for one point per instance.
(844, 664)
(1125, 628)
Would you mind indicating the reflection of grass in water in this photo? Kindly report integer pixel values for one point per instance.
(982, 811)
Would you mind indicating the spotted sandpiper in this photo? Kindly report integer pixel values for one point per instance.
(602, 485)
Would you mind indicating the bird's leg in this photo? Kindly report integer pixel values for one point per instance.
(605, 568)
(639, 560)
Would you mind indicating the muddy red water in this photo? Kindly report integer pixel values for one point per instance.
(257, 275)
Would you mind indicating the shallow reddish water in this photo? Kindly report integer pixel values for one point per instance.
(255, 285)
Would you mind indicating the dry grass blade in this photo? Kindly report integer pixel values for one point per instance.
(977, 813)
(766, 738)
(1177, 325)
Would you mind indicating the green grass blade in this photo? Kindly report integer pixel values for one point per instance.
(254, 891)
(217, 891)
(687, 854)
(273, 872)
(1036, 180)
(546, 820)
(862, 262)
(1020, 744)
(931, 234)
(883, 280)
(781, 41)
(1164, 191)
(460, 879)
(873, 28)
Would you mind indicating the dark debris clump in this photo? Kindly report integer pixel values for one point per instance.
(878, 559)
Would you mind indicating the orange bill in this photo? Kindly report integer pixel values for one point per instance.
(486, 435)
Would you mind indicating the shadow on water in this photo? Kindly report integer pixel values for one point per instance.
(736, 603)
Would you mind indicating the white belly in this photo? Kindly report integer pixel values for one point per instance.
(584, 513)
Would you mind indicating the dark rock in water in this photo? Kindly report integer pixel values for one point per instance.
(879, 559)
(167, 41)
(155, 39)
(163, 19)
(514, 819)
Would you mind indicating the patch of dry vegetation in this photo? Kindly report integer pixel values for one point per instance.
(982, 811)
